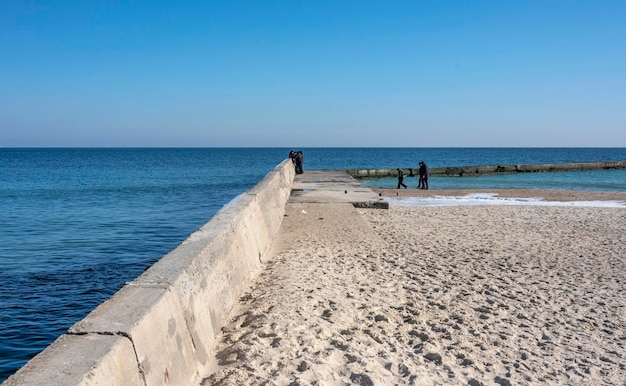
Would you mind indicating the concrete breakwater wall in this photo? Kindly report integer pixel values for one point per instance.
(459, 171)
(160, 328)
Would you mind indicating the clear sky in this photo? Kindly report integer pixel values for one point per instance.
(312, 73)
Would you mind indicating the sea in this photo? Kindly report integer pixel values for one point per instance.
(76, 224)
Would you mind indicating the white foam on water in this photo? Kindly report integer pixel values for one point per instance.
(492, 199)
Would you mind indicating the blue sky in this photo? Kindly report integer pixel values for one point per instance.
(312, 73)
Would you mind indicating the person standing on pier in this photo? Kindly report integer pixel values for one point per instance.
(297, 158)
(424, 174)
(299, 161)
(400, 178)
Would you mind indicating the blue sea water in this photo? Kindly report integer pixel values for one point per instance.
(76, 224)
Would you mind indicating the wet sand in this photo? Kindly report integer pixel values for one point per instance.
(479, 295)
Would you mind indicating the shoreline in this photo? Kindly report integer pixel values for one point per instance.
(546, 194)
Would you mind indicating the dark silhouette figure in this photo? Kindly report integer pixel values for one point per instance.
(292, 157)
(400, 178)
(297, 158)
(424, 174)
(299, 162)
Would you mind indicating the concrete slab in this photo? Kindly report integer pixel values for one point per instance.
(84, 360)
(153, 320)
(333, 186)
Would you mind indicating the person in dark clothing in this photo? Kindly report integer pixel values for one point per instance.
(297, 158)
(299, 161)
(424, 174)
(292, 157)
(420, 180)
(400, 178)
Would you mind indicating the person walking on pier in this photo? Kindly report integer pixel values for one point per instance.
(424, 174)
(400, 178)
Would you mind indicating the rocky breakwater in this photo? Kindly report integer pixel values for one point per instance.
(460, 171)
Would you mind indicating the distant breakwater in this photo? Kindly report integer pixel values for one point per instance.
(460, 171)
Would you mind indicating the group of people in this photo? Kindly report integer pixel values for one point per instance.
(297, 158)
(424, 173)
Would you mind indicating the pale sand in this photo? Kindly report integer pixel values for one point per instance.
(474, 295)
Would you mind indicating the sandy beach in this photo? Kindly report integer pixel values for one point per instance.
(478, 295)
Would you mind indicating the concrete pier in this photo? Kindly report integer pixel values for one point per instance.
(320, 186)
(460, 171)
(160, 329)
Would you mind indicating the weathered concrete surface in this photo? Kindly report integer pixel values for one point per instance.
(82, 360)
(316, 186)
(159, 329)
(152, 319)
(459, 171)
